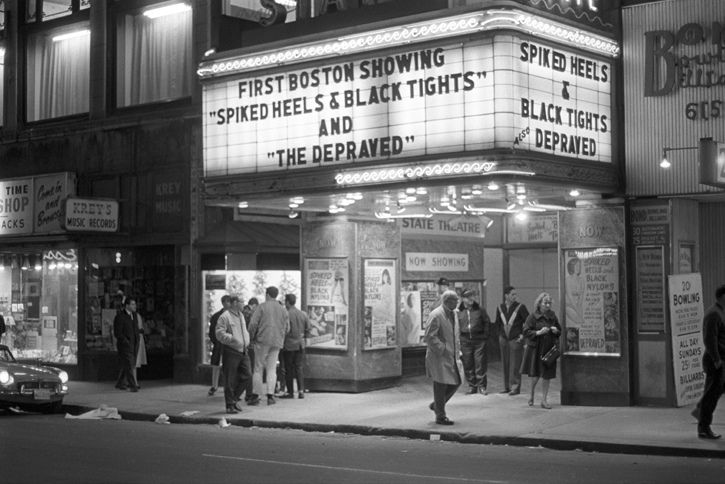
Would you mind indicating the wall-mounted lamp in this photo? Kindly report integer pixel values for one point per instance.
(664, 162)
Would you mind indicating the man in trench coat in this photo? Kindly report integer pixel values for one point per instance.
(442, 354)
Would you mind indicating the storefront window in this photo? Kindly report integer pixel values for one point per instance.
(58, 73)
(246, 285)
(146, 274)
(39, 302)
(153, 57)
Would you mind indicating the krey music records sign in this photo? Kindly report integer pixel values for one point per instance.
(90, 215)
(500, 91)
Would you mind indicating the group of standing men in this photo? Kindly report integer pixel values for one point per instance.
(473, 325)
(248, 340)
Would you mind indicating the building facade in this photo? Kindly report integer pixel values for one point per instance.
(674, 86)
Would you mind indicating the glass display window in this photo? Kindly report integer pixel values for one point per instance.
(246, 285)
(39, 303)
(145, 273)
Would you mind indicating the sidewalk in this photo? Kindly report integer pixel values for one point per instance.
(403, 411)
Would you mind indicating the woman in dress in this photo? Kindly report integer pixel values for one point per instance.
(541, 331)
(141, 353)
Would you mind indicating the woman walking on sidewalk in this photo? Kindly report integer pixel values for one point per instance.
(541, 331)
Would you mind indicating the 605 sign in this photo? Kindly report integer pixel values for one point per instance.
(704, 110)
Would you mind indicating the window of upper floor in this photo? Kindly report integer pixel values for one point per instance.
(48, 10)
(153, 54)
(57, 72)
(268, 12)
(2, 83)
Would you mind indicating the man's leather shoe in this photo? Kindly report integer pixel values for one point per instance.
(505, 391)
(212, 391)
(301, 395)
(271, 400)
(515, 392)
(707, 433)
(232, 409)
(483, 391)
(122, 387)
(444, 421)
(286, 395)
(472, 391)
(133, 389)
(253, 401)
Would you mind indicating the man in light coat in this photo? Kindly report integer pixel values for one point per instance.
(269, 325)
(231, 332)
(442, 354)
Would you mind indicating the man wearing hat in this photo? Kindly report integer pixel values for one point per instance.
(442, 354)
(443, 285)
(474, 325)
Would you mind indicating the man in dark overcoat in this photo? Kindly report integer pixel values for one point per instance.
(125, 330)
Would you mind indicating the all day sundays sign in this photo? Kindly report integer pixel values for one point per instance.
(686, 314)
(500, 91)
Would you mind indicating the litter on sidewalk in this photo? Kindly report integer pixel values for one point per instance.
(162, 419)
(101, 413)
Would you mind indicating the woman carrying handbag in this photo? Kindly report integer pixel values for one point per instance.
(542, 331)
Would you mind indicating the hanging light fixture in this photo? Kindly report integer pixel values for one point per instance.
(2, 263)
(38, 266)
(665, 163)
(493, 186)
(26, 264)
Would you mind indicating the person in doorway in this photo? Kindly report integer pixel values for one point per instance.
(269, 325)
(216, 346)
(247, 312)
(474, 325)
(713, 333)
(231, 332)
(441, 355)
(510, 318)
(125, 329)
(141, 359)
(2, 328)
(293, 352)
(541, 331)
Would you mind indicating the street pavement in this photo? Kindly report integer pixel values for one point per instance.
(49, 448)
(403, 411)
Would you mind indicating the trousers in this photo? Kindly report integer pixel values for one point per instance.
(442, 392)
(127, 362)
(236, 374)
(512, 352)
(475, 362)
(265, 358)
(293, 361)
(713, 390)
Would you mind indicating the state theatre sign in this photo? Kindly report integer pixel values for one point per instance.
(450, 97)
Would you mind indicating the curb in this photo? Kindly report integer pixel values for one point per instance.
(459, 437)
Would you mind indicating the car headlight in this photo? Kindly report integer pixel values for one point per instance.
(5, 377)
(63, 376)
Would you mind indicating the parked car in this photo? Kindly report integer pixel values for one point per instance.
(30, 387)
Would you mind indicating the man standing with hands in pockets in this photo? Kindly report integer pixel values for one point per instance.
(441, 357)
(713, 332)
(510, 318)
(231, 331)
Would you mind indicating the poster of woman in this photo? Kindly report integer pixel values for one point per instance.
(379, 297)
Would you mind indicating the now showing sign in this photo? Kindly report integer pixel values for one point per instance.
(90, 215)
(433, 261)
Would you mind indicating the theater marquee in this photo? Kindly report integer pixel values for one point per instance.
(502, 90)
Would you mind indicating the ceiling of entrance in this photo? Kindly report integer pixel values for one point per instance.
(426, 201)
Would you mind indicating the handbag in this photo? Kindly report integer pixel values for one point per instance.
(549, 359)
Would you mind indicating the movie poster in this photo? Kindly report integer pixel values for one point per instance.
(326, 301)
(380, 306)
(592, 310)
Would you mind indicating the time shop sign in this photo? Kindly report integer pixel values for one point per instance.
(501, 91)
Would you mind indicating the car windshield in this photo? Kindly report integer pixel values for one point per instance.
(5, 355)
